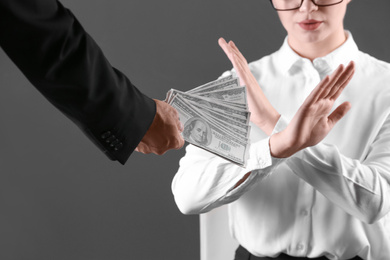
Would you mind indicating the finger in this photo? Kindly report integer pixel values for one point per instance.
(237, 55)
(237, 51)
(234, 49)
(333, 79)
(142, 148)
(323, 88)
(338, 113)
(159, 151)
(180, 143)
(229, 53)
(342, 87)
(237, 64)
(317, 91)
(221, 42)
(176, 118)
(180, 127)
(346, 78)
(225, 47)
(241, 65)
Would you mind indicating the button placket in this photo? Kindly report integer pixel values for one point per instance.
(303, 224)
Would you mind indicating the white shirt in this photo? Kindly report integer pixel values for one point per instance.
(331, 199)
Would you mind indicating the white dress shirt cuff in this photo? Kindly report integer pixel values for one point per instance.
(260, 159)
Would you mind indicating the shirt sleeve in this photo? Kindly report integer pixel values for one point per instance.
(360, 187)
(205, 181)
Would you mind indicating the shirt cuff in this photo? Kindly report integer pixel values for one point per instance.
(260, 155)
(259, 151)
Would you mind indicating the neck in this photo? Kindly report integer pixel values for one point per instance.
(315, 49)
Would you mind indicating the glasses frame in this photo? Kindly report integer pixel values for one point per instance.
(301, 5)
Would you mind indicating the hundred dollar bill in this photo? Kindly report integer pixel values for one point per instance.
(200, 132)
(237, 127)
(228, 123)
(170, 95)
(235, 105)
(236, 119)
(234, 95)
(215, 105)
(240, 133)
(233, 83)
(212, 83)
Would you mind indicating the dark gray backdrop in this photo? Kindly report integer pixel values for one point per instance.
(60, 197)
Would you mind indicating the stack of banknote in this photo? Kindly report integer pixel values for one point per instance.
(215, 117)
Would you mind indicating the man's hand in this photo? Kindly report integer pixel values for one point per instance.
(164, 132)
(312, 121)
(263, 114)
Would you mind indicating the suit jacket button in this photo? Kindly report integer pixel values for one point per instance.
(118, 146)
(110, 139)
(106, 134)
(114, 143)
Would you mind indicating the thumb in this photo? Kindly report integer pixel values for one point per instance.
(339, 113)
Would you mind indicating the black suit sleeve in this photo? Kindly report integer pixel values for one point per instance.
(63, 62)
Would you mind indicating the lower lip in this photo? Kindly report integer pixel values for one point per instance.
(310, 26)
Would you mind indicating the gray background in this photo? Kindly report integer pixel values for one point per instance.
(60, 197)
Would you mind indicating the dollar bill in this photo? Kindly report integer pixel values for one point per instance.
(215, 117)
(200, 131)
(215, 105)
(239, 133)
(211, 84)
(235, 82)
(237, 127)
(236, 95)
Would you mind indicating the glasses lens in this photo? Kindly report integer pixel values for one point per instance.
(286, 4)
(327, 2)
(295, 4)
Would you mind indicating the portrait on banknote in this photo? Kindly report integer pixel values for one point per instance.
(197, 130)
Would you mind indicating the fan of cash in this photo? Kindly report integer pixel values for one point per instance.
(215, 117)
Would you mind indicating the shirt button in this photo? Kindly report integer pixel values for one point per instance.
(305, 213)
(300, 246)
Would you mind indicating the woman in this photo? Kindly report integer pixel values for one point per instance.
(311, 188)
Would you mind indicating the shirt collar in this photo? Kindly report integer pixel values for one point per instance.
(342, 55)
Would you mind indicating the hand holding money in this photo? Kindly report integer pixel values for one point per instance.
(164, 132)
(215, 117)
(263, 114)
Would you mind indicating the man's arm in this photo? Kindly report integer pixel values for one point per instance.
(63, 62)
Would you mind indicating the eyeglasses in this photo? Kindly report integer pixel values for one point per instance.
(287, 5)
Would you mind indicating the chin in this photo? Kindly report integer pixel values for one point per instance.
(312, 36)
